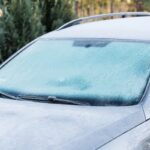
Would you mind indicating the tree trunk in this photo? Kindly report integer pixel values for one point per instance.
(111, 6)
(76, 7)
(139, 5)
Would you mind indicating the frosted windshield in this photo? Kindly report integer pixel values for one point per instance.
(100, 71)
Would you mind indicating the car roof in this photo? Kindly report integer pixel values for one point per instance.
(131, 28)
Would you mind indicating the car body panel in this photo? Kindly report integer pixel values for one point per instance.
(146, 102)
(136, 139)
(136, 28)
(30, 125)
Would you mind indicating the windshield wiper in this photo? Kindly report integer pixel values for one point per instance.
(66, 101)
(6, 95)
(52, 99)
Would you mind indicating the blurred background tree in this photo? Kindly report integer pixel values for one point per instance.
(56, 12)
(146, 5)
(20, 23)
(23, 20)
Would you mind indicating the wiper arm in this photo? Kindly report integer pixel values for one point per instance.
(52, 99)
(6, 95)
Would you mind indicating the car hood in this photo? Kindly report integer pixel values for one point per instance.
(39, 126)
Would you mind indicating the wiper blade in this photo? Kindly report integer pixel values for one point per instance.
(52, 99)
(33, 98)
(6, 95)
(66, 101)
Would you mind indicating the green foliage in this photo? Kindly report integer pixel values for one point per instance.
(56, 13)
(20, 23)
(147, 5)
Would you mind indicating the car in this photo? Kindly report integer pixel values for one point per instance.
(84, 86)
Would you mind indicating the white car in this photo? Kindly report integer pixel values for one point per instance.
(84, 86)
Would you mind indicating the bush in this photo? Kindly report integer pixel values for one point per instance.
(56, 12)
(20, 23)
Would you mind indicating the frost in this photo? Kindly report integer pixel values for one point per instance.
(106, 71)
